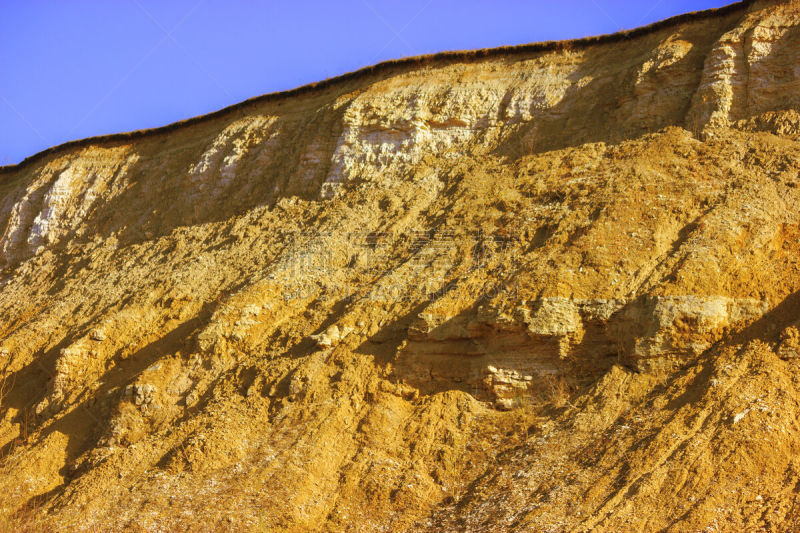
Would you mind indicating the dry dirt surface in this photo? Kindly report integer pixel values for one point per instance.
(548, 288)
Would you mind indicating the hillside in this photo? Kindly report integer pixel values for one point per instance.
(545, 288)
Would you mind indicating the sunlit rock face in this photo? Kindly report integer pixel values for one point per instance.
(549, 288)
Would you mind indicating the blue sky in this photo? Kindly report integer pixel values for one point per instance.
(77, 68)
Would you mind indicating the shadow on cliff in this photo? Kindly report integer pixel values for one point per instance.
(611, 102)
(85, 421)
(768, 327)
(162, 195)
(690, 385)
(30, 385)
(455, 354)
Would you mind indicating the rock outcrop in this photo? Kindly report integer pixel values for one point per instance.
(547, 288)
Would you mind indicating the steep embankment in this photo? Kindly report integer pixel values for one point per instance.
(548, 288)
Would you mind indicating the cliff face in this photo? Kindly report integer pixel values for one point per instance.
(553, 288)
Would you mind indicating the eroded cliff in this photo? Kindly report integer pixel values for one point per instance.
(551, 288)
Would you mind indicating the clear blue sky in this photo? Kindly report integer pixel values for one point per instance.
(77, 68)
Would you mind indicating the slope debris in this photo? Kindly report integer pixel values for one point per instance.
(545, 288)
